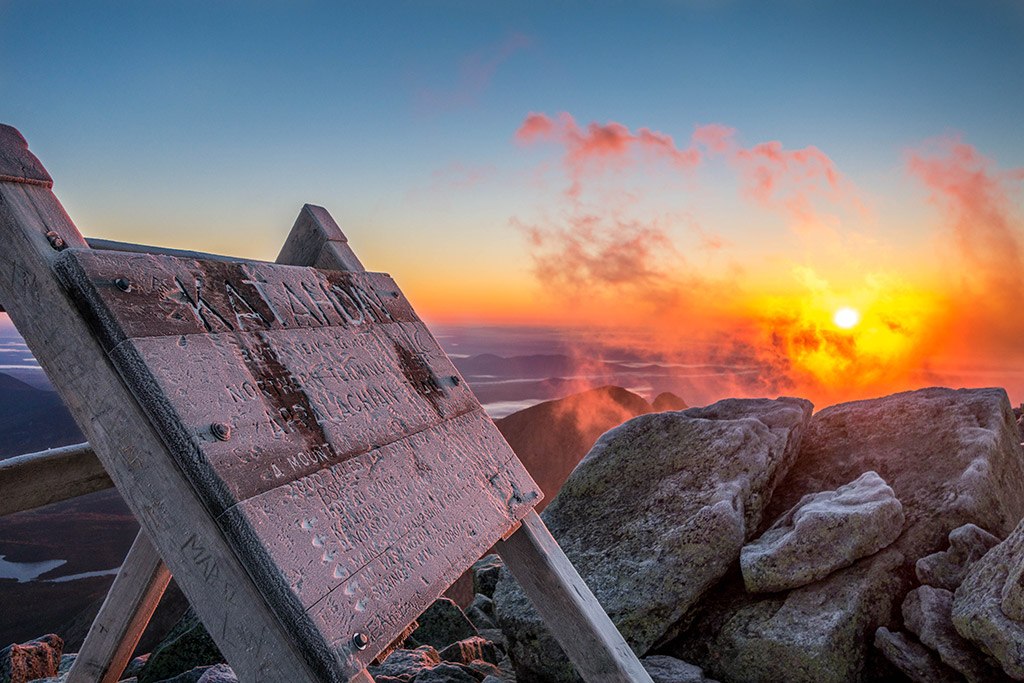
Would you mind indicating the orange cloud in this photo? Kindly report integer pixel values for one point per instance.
(593, 254)
(985, 239)
(790, 180)
(601, 145)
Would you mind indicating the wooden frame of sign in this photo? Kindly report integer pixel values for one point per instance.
(297, 448)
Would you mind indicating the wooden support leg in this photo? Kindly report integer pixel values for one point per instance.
(568, 607)
(115, 632)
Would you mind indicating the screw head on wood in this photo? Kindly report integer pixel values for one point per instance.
(123, 284)
(360, 641)
(221, 431)
(56, 241)
(455, 380)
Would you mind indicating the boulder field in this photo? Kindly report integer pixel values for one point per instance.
(761, 543)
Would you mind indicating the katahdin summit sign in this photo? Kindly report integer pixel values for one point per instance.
(298, 449)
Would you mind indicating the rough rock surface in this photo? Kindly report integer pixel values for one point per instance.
(218, 673)
(913, 659)
(1013, 591)
(951, 456)
(471, 660)
(978, 605)
(653, 517)
(407, 662)
(486, 571)
(665, 669)
(469, 650)
(815, 633)
(822, 533)
(927, 613)
(442, 624)
(947, 569)
(446, 673)
(185, 648)
(38, 658)
(481, 613)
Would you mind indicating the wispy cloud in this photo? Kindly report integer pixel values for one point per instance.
(474, 76)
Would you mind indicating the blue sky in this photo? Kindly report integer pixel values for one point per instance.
(207, 125)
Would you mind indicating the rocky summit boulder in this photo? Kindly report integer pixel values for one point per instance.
(952, 457)
(979, 613)
(914, 660)
(1013, 591)
(35, 659)
(817, 632)
(927, 613)
(822, 533)
(663, 669)
(947, 569)
(653, 517)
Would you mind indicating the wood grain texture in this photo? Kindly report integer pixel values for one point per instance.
(349, 465)
(17, 163)
(568, 607)
(316, 240)
(117, 628)
(245, 628)
(36, 479)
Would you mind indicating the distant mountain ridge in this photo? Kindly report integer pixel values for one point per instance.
(32, 419)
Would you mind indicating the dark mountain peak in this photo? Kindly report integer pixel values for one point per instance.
(611, 395)
(8, 384)
(666, 401)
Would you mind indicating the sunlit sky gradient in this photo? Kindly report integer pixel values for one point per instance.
(874, 161)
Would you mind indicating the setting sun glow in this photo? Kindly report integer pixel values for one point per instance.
(846, 318)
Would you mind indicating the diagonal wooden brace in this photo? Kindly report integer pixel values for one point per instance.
(123, 617)
(568, 607)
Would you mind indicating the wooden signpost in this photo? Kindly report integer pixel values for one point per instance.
(298, 449)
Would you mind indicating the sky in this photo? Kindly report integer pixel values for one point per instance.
(706, 180)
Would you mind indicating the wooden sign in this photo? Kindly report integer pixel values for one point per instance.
(349, 465)
(298, 450)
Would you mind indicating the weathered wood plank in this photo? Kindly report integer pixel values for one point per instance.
(143, 295)
(264, 380)
(245, 627)
(365, 544)
(295, 400)
(37, 479)
(568, 607)
(316, 240)
(117, 628)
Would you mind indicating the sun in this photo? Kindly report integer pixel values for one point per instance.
(846, 317)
